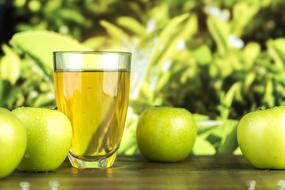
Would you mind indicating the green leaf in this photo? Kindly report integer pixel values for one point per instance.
(228, 99)
(131, 151)
(95, 42)
(43, 100)
(129, 143)
(206, 125)
(276, 49)
(237, 151)
(1, 92)
(72, 15)
(40, 45)
(165, 36)
(115, 32)
(220, 32)
(250, 53)
(229, 139)
(268, 98)
(171, 42)
(243, 13)
(10, 65)
(11, 97)
(203, 55)
(248, 81)
(231, 93)
(184, 33)
(203, 147)
(163, 81)
(200, 117)
(132, 25)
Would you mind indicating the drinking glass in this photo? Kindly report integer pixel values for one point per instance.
(92, 90)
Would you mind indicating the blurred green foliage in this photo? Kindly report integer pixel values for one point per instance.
(73, 17)
(219, 59)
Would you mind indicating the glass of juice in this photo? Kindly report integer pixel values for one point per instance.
(92, 90)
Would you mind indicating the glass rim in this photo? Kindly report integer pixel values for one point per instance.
(91, 60)
(93, 52)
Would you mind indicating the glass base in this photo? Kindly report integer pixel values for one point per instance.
(104, 162)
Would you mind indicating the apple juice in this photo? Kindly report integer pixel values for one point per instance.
(96, 104)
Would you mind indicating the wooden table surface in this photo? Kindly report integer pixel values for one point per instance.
(218, 172)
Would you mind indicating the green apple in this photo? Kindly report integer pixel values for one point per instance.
(49, 135)
(13, 140)
(261, 137)
(166, 134)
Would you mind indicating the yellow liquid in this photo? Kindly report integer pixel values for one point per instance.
(96, 104)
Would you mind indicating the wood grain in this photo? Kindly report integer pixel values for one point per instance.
(205, 173)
